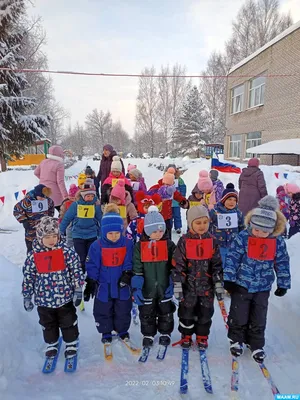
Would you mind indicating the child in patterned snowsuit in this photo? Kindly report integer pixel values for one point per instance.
(254, 257)
(52, 274)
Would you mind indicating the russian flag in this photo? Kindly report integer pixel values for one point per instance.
(223, 167)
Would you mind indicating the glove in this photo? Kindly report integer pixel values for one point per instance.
(26, 225)
(170, 289)
(280, 292)
(230, 286)
(137, 283)
(90, 289)
(28, 304)
(125, 279)
(184, 204)
(219, 291)
(171, 190)
(77, 298)
(178, 291)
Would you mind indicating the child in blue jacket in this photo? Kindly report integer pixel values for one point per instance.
(226, 219)
(255, 256)
(176, 210)
(109, 266)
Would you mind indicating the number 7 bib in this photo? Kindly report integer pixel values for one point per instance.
(49, 261)
(199, 249)
(261, 249)
(84, 211)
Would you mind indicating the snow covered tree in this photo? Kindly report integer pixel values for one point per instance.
(190, 133)
(18, 128)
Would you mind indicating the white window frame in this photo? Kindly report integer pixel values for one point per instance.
(237, 145)
(233, 100)
(257, 89)
(254, 142)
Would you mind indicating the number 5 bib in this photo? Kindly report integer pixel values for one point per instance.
(261, 249)
(49, 261)
(227, 221)
(199, 249)
(113, 257)
(84, 211)
(39, 205)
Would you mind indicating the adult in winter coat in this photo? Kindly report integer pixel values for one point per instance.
(252, 186)
(105, 164)
(51, 173)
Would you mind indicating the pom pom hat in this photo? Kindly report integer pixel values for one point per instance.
(204, 182)
(111, 220)
(118, 190)
(88, 188)
(169, 177)
(264, 217)
(229, 192)
(116, 164)
(154, 221)
(72, 190)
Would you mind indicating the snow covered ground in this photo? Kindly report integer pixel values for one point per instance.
(21, 344)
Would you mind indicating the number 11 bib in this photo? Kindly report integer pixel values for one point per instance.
(227, 221)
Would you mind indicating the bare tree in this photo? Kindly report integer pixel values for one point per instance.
(99, 125)
(76, 140)
(58, 114)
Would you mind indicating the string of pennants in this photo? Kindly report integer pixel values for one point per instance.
(285, 175)
(24, 191)
(71, 177)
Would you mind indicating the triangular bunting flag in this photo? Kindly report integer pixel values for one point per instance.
(2, 199)
(276, 174)
(285, 176)
(24, 191)
(16, 195)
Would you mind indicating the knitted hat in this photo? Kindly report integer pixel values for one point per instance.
(118, 190)
(39, 190)
(280, 189)
(169, 178)
(46, 226)
(116, 164)
(171, 166)
(130, 167)
(154, 221)
(73, 189)
(264, 217)
(195, 213)
(136, 173)
(81, 178)
(253, 162)
(214, 175)
(291, 188)
(89, 171)
(229, 192)
(111, 220)
(88, 188)
(204, 182)
(108, 147)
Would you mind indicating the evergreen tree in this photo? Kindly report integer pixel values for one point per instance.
(18, 128)
(190, 133)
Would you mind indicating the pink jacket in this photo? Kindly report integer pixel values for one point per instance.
(51, 173)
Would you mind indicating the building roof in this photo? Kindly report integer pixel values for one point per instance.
(288, 146)
(276, 39)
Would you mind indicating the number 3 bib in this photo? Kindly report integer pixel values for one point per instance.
(84, 211)
(49, 261)
(199, 249)
(261, 249)
(227, 221)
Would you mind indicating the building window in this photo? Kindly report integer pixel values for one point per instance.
(235, 146)
(253, 139)
(237, 98)
(257, 92)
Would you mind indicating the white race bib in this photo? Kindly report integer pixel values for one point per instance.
(227, 221)
(135, 185)
(39, 205)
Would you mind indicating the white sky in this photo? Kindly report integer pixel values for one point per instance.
(124, 36)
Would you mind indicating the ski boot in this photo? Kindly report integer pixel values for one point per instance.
(202, 342)
(178, 231)
(106, 338)
(164, 340)
(259, 355)
(148, 341)
(124, 336)
(186, 341)
(51, 350)
(71, 349)
(236, 348)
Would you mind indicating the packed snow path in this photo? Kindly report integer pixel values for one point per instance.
(21, 343)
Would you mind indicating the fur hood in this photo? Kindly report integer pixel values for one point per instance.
(56, 158)
(280, 224)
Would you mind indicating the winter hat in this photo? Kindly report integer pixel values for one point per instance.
(291, 188)
(73, 189)
(204, 182)
(214, 175)
(280, 189)
(81, 179)
(88, 188)
(229, 192)
(169, 178)
(264, 217)
(56, 151)
(116, 164)
(130, 167)
(111, 220)
(171, 166)
(136, 173)
(118, 190)
(89, 171)
(195, 213)
(253, 162)
(42, 191)
(154, 221)
(108, 147)
(46, 226)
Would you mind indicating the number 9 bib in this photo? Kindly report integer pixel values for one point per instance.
(154, 251)
(49, 261)
(39, 205)
(199, 249)
(261, 249)
(85, 211)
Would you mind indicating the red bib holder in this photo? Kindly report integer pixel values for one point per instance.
(49, 261)
(113, 257)
(199, 249)
(261, 249)
(154, 251)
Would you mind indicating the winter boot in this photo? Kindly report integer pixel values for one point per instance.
(178, 231)
(124, 336)
(236, 348)
(148, 341)
(186, 341)
(164, 340)
(106, 337)
(259, 355)
(52, 350)
(202, 342)
(71, 349)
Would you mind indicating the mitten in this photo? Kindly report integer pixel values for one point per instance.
(184, 204)
(28, 304)
(137, 283)
(219, 291)
(90, 289)
(125, 279)
(170, 289)
(77, 298)
(280, 292)
(171, 190)
(229, 286)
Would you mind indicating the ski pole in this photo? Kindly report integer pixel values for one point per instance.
(223, 312)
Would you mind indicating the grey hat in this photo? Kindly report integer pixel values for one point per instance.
(136, 173)
(153, 221)
(264, 217)
(214, 174)
(46, 226)
(195, 213)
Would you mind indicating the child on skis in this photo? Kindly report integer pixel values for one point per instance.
(122, 199)
(217, 184)
(253, 257)
(226, 219)
(176, 212)
(198, 267)
(293, 191)
(109, 268)
(151, 284)
(29, 211)
(137, 182)
(52, 274)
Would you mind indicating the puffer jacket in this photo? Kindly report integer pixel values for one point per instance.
(107, 276)
(53, 289)
(225, 236)
(135, 229)
(24, 214)
(181, 187)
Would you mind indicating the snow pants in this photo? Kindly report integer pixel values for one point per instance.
(169, 223)
(158, 315)
(248, 318)
(176, 214)
(82, 248)
(28, 245)
(223, 251)
(113, 315)
(197, 319)
(65, 318)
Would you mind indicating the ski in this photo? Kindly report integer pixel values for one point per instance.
(162, 351)
(108, 355)
(145, 353)
(71, 362)
(5, 232)
(205, 371)
(268, 377)
(184, 371)
(130, 346)
(50, 362)
(223, 312)
(234, 378)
